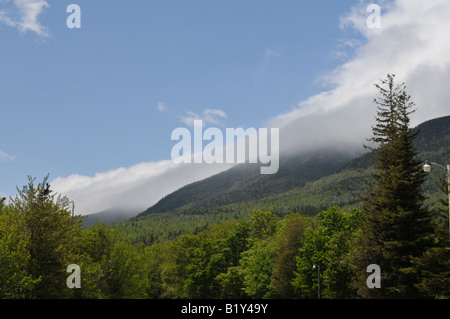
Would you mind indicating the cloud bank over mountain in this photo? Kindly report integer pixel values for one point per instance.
(411, 43)
(131, 189)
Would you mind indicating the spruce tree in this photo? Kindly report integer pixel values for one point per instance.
(398, 228)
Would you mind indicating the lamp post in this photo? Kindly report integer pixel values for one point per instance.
(73, 207)
(427, 168)
(318, 279)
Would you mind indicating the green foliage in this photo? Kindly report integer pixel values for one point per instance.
(155, 256)
(324, 250)
(257, 262)
(260, 256)
(434, 266)
(288, 241)
(263, 225)
(112, 267)
(223, 262)
(167, 227)
(196, 263)
(244, 183)
(39, 239)
(398, 226)
(15, 281)
(256, 267)
(46, 236)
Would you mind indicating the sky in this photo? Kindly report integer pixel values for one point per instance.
(95, 106)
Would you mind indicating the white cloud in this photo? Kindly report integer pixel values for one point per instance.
(213, 116)
(209, 116)
(5, 157)
(412, 43)
(23, 15)
(135, 188)
(162, 107)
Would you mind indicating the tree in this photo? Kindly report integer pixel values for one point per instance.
(257, 267)
(174, 272)
(263, 224)
(111, 267)
(288, 242)
(197, 265)
(327, 244)
(256, 264)
(51, 236)
(126, 278)
(2, 203)
(435, 267)
(155, 256)
(435, 262)
(15, 282)
(231, 281)
(398, 227)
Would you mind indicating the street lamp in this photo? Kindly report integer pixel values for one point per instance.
(318, 279)
(73, 207)
(427, 168)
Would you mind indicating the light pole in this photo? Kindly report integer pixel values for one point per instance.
(318, 279)
(73, 207)
(427, 168)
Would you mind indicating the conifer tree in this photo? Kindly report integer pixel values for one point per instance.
(398, 228)
(435, 263)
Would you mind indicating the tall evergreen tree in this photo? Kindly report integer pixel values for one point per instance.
(398, 228)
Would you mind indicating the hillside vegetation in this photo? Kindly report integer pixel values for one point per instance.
(194, 207)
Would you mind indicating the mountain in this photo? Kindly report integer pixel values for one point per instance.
(108, 216)
(305, 183)
(244, 182)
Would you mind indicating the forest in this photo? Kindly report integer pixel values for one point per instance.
(296, 245)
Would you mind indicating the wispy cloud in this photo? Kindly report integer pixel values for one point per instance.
(270, 53)
(5, 157)
(162, 107)
(345, 48)
(187, 117)
(23, 15)
(208, 116)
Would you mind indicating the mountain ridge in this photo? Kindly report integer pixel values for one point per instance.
(244, 182)
(306, 183)
(433, 143)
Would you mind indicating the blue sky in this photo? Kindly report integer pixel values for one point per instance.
(95, 107)
(85, 100)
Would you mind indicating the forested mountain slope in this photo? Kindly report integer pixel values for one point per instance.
(305, 184)
(191, 209)
(244, 182)
(337, 176)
